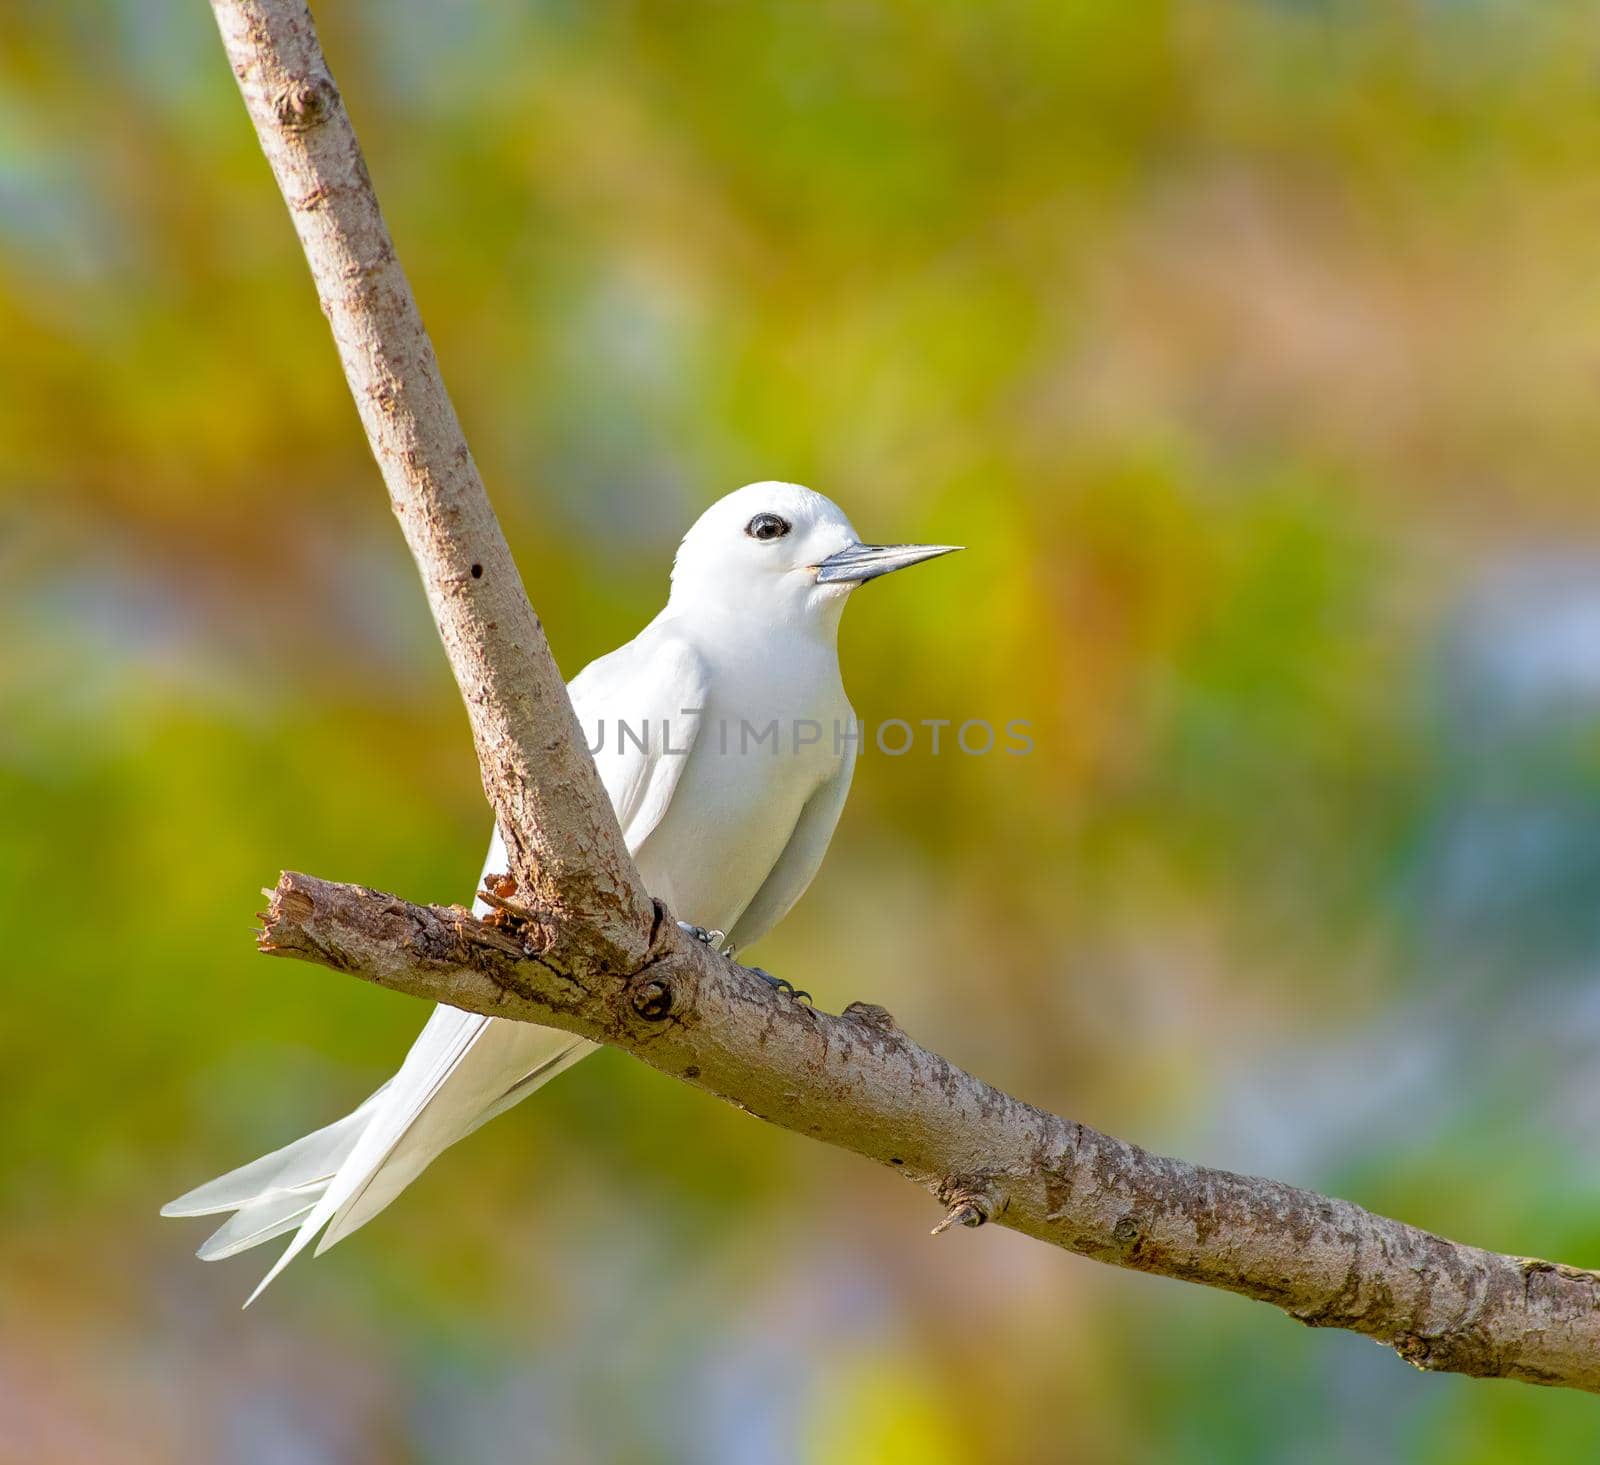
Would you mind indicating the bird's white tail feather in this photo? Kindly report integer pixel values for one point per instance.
(311, 1158)
(471, 1094)
(462, 1070)
(260, 1220)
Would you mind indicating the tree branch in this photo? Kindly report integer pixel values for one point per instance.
(559, 827)
(587, 951)
(857, 1081)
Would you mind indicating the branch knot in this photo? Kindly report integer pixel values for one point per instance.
(873, 1015)
(304, 104)
(652, 999)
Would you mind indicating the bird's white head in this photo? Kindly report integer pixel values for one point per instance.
(772, 553)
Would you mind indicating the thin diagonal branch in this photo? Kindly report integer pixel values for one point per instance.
(562, 835)
(587, 951)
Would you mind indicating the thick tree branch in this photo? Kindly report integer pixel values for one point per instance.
(858, 1082)
(591, 954)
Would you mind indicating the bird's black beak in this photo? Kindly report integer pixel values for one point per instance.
(867, 561)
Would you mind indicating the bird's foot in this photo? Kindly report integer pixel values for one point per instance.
(718, 941)
(787, 988)
(712, 938)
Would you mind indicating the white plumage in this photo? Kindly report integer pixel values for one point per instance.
(726, 822)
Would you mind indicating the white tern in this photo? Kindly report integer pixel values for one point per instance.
(726, 825)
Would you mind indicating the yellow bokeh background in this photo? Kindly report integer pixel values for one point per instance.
(1253, 349)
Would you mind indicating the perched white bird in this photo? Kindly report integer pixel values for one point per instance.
(723, 737)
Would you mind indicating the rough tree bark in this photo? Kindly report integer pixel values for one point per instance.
(563, 838)
(585, 949)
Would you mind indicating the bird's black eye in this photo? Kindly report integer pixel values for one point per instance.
(767, 526)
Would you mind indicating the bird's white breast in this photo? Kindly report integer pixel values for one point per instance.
(740, 796)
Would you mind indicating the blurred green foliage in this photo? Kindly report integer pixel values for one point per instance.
(1252, 347)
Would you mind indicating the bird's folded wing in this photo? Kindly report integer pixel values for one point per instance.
(640, 709)
(801, 857)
